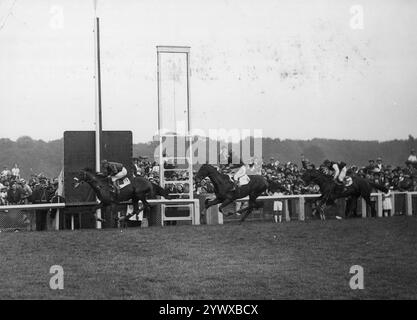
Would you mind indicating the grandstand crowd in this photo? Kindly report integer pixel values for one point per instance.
(16, 190)
(288, 175)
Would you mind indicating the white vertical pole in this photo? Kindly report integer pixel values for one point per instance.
(286, 211)
(409, 207)
(301, 212)
(219, 214)
(72, 221)
(57, 219)
(363, 208)
(97, 100)
(379, 205)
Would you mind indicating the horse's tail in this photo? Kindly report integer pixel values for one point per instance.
(158, 190)
(378, 187)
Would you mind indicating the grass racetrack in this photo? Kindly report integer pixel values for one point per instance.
(253, 260)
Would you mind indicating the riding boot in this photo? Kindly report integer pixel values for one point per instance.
(115, 188)
(235, 185)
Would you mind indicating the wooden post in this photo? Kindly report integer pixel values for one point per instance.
(393, 204)
(379, 205)
(286, 210)
(57, 219)
(196, 212)
(72, 221)
(363, 208)
(301, 211)
(409, 205)
(219, 214)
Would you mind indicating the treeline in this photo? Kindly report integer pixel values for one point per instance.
(36, 156)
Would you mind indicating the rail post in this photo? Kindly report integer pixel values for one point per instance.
(363, 208)
(57, 219)
(301, 211)
(379, 205)
(286, 211)
(409, 204)
(196, 211)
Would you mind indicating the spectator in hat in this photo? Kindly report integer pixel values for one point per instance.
(6, 173)
(3, 196)
(137, 170)
(26, 190)
(379, 166)
(14, 195)
(371, 166)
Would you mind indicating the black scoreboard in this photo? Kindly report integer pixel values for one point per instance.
(80, 153)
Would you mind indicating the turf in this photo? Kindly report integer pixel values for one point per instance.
(254, 260)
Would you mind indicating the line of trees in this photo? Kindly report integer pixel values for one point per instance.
(36, 156)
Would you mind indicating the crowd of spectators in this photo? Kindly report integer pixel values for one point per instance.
(150, 169)
(288, 175)
(16, 190)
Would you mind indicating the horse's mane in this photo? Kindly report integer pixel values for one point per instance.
(224, 175)
(317, 172)
(87, 169)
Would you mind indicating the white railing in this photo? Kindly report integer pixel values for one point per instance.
(194, 216)
(301, 204)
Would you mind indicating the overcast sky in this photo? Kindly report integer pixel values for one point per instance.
(295, 69)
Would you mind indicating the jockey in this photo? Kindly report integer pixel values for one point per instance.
(339, 170)
(115, 171)
(241, 176)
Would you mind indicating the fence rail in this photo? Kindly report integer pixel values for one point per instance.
(195, 218)
(301, 204)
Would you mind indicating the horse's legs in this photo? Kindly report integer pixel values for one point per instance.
(321, 208)
(249, 209)
(208, 203)
(146, 207)
(101, 207)
(224, 204)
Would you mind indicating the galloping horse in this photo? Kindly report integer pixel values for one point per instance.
(224, 193)
(139, 189)
(331, 191)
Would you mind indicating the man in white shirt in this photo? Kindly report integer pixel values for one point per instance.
(16, 171)
(412, 157)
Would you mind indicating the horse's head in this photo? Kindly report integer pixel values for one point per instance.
(85, 175)
(310, 175)
(203, 172)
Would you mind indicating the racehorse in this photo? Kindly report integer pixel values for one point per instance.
(139, 189)
(223, 189)
(330, 190)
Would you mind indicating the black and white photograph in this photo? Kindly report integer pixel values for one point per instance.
(208, 155)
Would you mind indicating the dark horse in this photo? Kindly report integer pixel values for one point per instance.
(330, 191)
(224, 193)
(139, 189)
